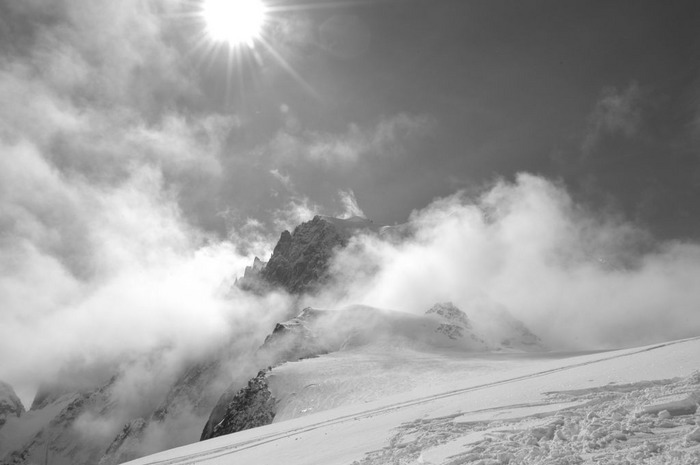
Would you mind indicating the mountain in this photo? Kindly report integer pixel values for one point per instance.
(10, 405)
(316, 332)
(373, 407)
(107, 424)
(83, 420)
(299, 263)
(178, 417)
(59, 427)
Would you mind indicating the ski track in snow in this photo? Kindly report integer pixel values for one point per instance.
(599, 425)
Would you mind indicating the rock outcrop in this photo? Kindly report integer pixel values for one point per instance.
(300, 261)
(456, 325)
(10, 405)
(251, 407)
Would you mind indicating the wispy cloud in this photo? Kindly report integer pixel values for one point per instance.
(350, 205)
(616, 112)
(387, 138)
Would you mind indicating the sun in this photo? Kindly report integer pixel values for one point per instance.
(235, 22)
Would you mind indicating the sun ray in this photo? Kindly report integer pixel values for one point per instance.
(233, 30)
(236, 22)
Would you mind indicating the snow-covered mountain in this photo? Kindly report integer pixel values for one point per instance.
(374, 406)
(315, 332)
(79, 423)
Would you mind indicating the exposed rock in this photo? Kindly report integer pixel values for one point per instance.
(251, 407)
(252, 279)
(297, 338)
(10, 405)
(451, 313)
(300, 260)
(456, 324)
(127, 445)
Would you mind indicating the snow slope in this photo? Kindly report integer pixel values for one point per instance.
(607, 407)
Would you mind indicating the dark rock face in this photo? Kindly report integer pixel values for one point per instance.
(251, 279)
(300, 260)
(10, 405)
(251, 407)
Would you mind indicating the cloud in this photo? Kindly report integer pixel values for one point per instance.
(617, 112)
(577, 278)
(387, 138)
(284, 179)
(102, 171)
(350, 206)
(298, 210)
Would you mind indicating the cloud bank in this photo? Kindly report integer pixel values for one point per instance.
(102, 175)
(579, 279)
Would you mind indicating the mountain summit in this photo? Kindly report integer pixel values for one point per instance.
(300, 260)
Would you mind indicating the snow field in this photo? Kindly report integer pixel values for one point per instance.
(585, 409)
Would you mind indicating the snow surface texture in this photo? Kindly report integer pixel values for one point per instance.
(634, 406)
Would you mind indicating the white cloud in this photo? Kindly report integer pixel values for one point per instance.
(350, 206)
(578, 279)
(98, 262)
(387, 138)
(284, 179)
(298, 210)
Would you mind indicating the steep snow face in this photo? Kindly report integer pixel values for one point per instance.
(10, 405)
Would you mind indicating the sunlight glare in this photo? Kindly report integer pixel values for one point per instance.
(234, 21)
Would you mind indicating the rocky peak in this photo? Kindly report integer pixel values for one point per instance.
(300, 260)
(10, 405)
(451, 313)
(455, 324)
